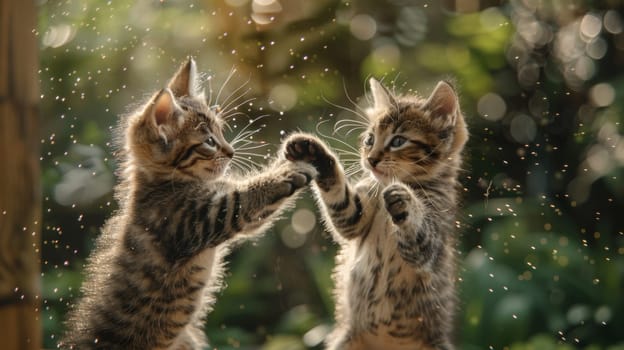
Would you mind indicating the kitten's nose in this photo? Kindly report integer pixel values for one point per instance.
(228, 151)
(373, 161)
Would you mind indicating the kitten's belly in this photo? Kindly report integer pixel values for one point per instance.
(376, 270)
(368, 341)
(368, 275)
(205, 261)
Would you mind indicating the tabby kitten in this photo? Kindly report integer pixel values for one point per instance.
(158, 261)
(395, 273)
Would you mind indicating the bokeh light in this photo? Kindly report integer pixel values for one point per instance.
(491, 106)
(363, 26)
(523, 128)
(284, 97)
(540, 235)
(602, 95)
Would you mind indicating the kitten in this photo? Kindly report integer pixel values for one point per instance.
(158, 262)
(395, 273)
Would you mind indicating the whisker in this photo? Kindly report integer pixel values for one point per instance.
(373, 191)
(346, 152)
(210, 91)
(335, 138)
(240, 170)
(225, 114)
(348, 123)
(226, 101)
(227, 124)
(350, 161)
(354, 121)
(241, 162)
(243, 166)
(244, 132)
(250, 154)
(254, 145)
(362, 112)
(235, 166)
(230, 75)
(394, 82)
(246, 156)
(243, 137)
(352, 170)
(248, 162)
(227, 104)
(357, 113)
(352, 164)
(230, 115)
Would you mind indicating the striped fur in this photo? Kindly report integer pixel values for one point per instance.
(157, 264)
(395, 272)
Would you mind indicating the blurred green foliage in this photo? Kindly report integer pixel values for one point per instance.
(542, 235)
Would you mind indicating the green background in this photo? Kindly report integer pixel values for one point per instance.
(541, 227)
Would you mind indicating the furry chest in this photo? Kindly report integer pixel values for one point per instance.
(374, 262)
(383, 288)
(204, 262)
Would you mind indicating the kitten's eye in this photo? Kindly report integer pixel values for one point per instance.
(425, 147)
(397, 141)
(210, 141)
(370, 140)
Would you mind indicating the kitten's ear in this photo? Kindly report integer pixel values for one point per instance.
(443, 100)
(161, 113)
(184, 82)
(382, 98)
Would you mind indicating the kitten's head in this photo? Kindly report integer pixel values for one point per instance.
(412, 139)
(177, 134)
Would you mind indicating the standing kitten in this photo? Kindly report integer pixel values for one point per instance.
(395, 273)
(158, 261)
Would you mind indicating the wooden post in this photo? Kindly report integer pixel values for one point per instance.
(20, 193)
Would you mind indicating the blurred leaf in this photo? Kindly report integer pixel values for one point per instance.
(283, 342)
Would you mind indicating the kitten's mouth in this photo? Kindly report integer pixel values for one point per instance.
(378, 173)
(221, 165)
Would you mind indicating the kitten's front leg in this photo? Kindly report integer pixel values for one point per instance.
(416, 239)
(248, 205)
(307, 148)
(343, 206)
(264, 195)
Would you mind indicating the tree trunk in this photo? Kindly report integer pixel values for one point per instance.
(20, 194)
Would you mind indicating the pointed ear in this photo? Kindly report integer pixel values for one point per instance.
(184, 82)
(382, 98)
(160, 114)
(443, 100)
(162, 108)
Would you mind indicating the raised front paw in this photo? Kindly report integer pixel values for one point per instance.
(301, 147)
(397, 198)
(297, 175)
